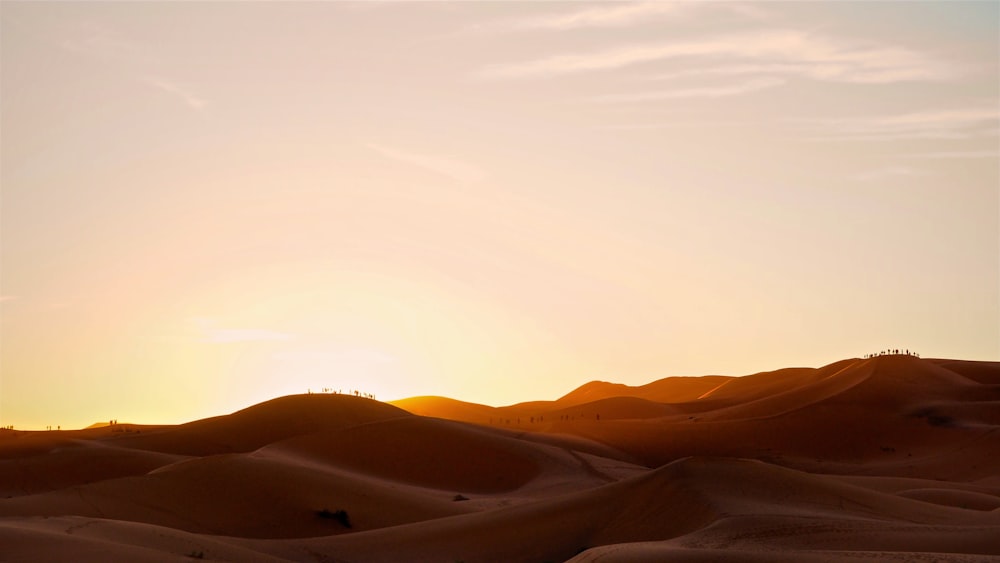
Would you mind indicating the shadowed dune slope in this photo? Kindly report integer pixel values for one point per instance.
(439, 454)
(242, 495)
(92, 540)
(615, 408)
(657, 552)
(73, 462)
(382, 472)
(694, 500)
(432, 453)
(262, 424)
(987, 373)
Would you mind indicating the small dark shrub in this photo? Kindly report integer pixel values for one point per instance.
(933, 418)
(939, 420)
(338, 515)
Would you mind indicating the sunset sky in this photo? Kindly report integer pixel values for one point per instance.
(207, 205)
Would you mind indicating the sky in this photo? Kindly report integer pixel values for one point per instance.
(207, 205)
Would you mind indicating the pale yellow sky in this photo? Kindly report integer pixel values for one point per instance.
(206, 205)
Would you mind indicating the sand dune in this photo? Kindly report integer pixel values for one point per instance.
(242, 495)
(443, 407)
(90, 540)
(689, 502)
(262, 424)
(886, 459)
(439, 454)
(58, 463)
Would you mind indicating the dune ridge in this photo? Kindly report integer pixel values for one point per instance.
(891, 458)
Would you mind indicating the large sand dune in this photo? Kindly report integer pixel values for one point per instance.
(885, 459)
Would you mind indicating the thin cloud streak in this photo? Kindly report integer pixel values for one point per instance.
(886, 173)
(821, 70)
(704, 92)
(818, 57)
(167, 86)
(443, 165)
(944, 155)
(944, 124)
(97, 41)
(654, 126)
(618, 15)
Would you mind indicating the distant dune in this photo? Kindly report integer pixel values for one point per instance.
(892, 458)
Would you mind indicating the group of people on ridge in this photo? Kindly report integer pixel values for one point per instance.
(892, 352)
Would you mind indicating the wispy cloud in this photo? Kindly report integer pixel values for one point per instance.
(616, 15)
(95, 40)
(815, 56)
(946, 155)
(817, 70)
(444, 165)
(659, 125)
(209, 331)
(944, 124)
(185, 95)
(8, 298)
(703, 92)
(887, 172)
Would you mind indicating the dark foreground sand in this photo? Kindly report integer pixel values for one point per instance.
(887, 459)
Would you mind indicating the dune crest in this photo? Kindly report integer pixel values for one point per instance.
(891, 458)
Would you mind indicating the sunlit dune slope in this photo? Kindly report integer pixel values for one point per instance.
(770, 383)
(877, 416)
(522, 414)
(667, 390)
(262, 424)
(443, 407)
(894, 385)
(595, 391)
(889, 415)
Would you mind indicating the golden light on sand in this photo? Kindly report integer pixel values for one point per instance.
(887, 457)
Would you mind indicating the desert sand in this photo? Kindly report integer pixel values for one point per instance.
(891, 458)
